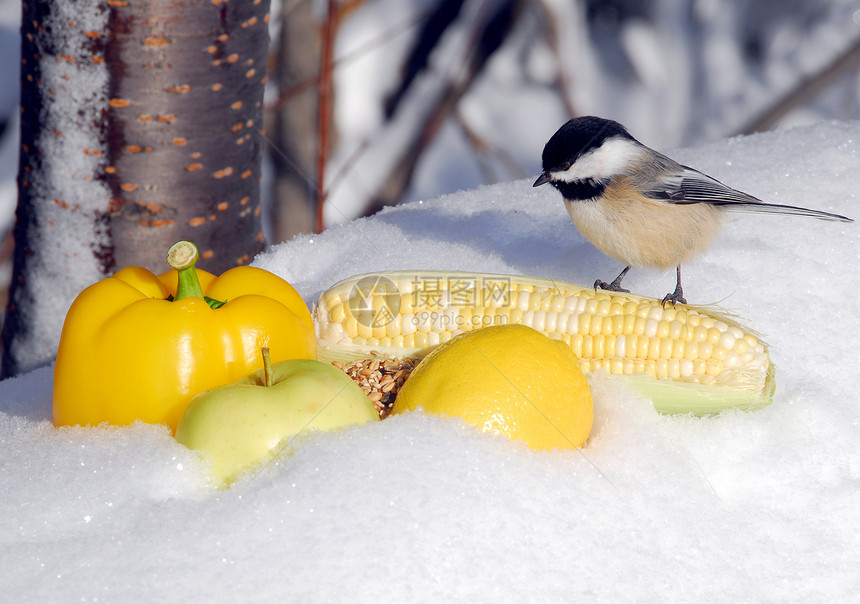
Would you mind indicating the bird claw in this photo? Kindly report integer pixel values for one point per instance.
(613, 287)
(676, 297)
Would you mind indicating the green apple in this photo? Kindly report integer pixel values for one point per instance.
(246, 423)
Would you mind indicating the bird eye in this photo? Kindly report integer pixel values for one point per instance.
(565, 166)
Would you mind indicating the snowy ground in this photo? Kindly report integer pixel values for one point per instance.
(758, 507)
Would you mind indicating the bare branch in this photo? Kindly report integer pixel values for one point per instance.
(324, 112)
(383, 171)
(485, 150)
(805, 90)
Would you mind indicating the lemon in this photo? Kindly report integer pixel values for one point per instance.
(508, 379)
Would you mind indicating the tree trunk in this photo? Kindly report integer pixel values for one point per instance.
(141, 125)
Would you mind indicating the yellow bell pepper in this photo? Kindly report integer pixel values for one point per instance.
(139, 346)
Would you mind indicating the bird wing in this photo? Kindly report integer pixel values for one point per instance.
(687, 186)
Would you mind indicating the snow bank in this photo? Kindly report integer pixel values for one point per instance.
(754, 507)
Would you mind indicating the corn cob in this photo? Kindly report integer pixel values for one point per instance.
(686, 359)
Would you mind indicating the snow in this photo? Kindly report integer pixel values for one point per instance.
(754, 507)
(757, 507)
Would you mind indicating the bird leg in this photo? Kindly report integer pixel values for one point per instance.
(676, 296)
(615, 286)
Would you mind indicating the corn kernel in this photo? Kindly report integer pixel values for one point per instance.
(655, 313)
(523, 300)
(337, 313)
(420, 339)
(595, 325)
(528, 318)
(550, 321)
(409, 324)
(609, 345)
(685, 368)
(603, 307)
(691, 351)
(731, 361)
(666, 345)
(629, 324)
(333, 302)
(621, 346)
(576, 344)
(653, 349)
(536, 300)
(650, 328)
(642, 344)
(587, 349)
(715, 334)
(583, 323)
(616, 325)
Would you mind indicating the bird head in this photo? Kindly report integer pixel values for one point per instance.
(588, 149)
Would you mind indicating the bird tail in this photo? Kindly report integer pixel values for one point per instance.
(774, 208)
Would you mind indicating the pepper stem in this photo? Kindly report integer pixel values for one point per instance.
(268, 376)
(181, 257)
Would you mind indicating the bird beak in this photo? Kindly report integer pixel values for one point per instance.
(542, 179)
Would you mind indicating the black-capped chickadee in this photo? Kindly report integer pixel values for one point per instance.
(639, 206)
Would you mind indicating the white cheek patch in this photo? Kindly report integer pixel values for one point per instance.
(603, 162)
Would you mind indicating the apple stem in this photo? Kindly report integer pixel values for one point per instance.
(268, 377)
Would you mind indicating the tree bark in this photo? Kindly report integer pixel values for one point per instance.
(186, 92)
(141, 125)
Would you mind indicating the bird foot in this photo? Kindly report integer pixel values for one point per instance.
(676, 297)
(615, 286)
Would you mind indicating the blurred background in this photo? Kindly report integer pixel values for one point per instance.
(376, 102)
(433, 96)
